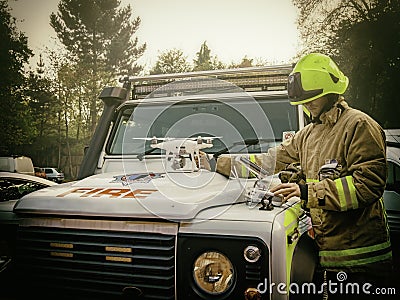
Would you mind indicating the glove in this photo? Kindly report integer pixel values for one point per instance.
(292, 173)
(204, 161)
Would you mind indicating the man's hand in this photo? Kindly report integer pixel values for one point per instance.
(287, 190)
(204, 162)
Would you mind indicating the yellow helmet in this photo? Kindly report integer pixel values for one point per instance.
(315, 75)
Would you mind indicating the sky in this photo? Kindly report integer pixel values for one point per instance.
(233, 29)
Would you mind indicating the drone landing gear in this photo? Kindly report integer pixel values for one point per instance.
(178, 163)
(273, 201)
(266, 206)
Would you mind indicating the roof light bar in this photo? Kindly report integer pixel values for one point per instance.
(249, 79)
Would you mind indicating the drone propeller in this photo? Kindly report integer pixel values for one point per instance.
(199, 139)
(145, 138)
(154, 140)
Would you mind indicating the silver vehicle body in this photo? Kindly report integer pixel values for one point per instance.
(133, 226)
(53, 174)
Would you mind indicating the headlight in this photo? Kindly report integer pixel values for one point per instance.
(213, 272)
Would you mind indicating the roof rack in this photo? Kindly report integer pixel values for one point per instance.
(267, 78)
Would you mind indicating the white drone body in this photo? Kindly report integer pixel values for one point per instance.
(176, 149)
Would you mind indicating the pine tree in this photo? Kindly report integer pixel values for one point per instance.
(98, 35)
(205, 61)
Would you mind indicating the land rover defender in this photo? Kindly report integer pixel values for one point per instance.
(147, 220)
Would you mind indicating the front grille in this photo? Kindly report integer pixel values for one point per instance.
(96, 263)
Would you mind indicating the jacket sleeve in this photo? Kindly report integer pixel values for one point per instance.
(275, 160)
(365, 179)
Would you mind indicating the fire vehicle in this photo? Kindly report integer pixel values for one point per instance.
(146, 220)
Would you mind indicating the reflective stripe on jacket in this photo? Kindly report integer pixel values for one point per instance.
(347, 212)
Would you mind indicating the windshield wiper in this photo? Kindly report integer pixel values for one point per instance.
(246, 143)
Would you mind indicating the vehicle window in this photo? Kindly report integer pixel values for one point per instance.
(11, 189)
(48, 171)
(233, 122)
(393, 180)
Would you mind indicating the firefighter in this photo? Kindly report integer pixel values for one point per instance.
(342, 157)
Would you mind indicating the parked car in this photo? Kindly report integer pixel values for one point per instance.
(17, 164)
(54, 174)
(14, 185)
(39, 172)
(392, 192)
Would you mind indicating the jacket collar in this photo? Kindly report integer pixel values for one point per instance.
(332, 116)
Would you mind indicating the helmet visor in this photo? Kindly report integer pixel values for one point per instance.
(296, 91)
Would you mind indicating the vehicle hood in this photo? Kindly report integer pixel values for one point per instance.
(173, 196)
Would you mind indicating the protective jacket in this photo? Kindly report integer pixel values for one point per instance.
(346, 207)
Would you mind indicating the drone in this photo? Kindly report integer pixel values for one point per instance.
(177, 148)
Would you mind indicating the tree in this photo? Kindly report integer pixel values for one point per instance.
(205, 61)
(98, 35)
(364, 38)
(171, 61)
(43, 111)
(245, 63)
(14, 54)
(370, 48)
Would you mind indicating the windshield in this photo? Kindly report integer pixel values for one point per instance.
(240, 125)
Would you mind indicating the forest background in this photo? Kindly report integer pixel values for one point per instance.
(51, 112)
